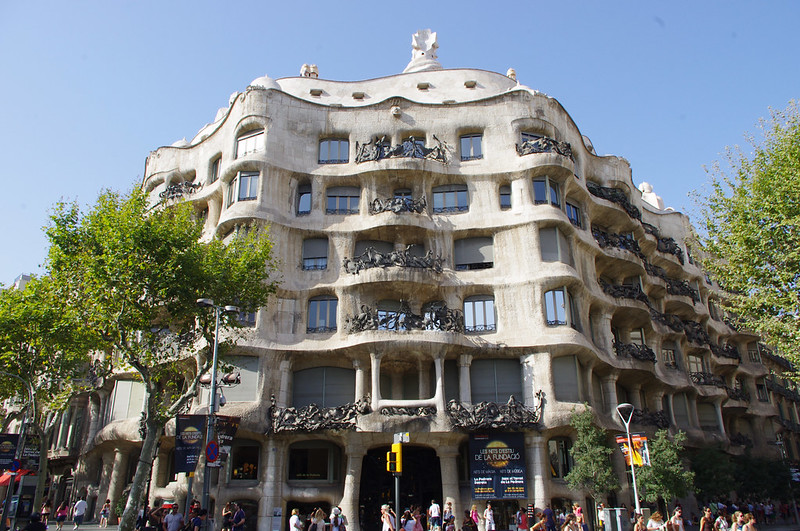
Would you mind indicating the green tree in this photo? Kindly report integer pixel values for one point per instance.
(135, 273)
(761, 479)
(591, 457)
(713, 474)
(43, 359)
(666, 477)
(751, 220)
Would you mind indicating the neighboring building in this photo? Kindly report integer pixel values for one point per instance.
(448, 239)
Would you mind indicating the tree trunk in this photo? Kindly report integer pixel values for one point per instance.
(42, 472)
(143, 470)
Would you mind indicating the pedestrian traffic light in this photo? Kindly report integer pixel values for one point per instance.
(394, 459)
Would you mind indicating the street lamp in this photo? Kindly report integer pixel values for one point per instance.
(625, 412)
(19, 452)
(212, 401)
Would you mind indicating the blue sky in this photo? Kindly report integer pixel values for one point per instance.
(88, 89)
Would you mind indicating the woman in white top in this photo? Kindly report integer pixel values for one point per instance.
(387, 519)
(294, 522)
(488, 517)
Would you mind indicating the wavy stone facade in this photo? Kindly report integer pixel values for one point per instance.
(454, 259)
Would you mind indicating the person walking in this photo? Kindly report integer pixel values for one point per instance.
(45, 511)
(707, 521)
(227, 517)
(237, 524)
(105, 511)
(78, 511)
(488, 517)
(294, 522)
(549, 518)
(387, 522)
(677, 519)
(174, 520)
(61, 515)
(434, 516)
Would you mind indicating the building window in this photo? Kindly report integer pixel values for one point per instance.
(530, 137)
(695, 363)
(761, 390)
(566, 381)
(315, 254)
(244, 459)
(546, 190)
(450, 198)
(385, 248)
(323, 386)
(712, 310)
(343, 200)
(247, 370)
(473, 253)
(304, 199)
(334, 151)
(560, 450)
(505, 197)
(668, 355)
(471, 147)
(707, 416)
(127, 400)
(495, 380)
(574, 214)
(322, 314)
(554, 246)
(314, 461)
(244, 187)
(249, 142)
(637, 337)
(247, 319)
(214, 172)
(389, 315)
(754, 355)
(560, 308)
(479, 314)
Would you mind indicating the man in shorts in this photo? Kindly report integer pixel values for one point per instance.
(78, 511)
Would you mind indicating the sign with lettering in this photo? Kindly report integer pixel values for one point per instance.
(189, 437)
(8, 449)
(497, 466)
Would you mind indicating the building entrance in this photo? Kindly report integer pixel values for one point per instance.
(420, 483)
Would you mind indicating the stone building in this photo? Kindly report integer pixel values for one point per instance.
(448, 240)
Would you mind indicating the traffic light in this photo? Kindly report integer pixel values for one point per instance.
(394, 459)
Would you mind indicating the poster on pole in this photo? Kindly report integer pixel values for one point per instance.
(641, 454)
(497, 466)
(30, 454)
(8, 449)
(226, 428)
(188, 441)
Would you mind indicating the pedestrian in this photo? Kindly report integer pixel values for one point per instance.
(640, 525)
(706, 522)
(549, 518)
(522, 520)
(317, 520)
(387, 522)
(570, 523)
(474, 514)
(721, 523)
(105, 511)
(434, 516)
(448, 512)
(35, 523)
(78, 510)
(174, 520)
(406, 521)
(468, 524)
(738, 521)
(237, 524)
(294, 522)
(227, 517)
(656, 522)
(199, 520)
(677, 519)
(61, 515)
(45, 511)
(541, 525)
(488, 517)
(749, 522)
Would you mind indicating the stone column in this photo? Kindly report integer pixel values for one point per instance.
(537, 463)
(272, 485)
(655, 401)
(423, 382)
(671, 403)
(118, 480)
(375, 367)
(720, 420)
(94, 421)
(361, 380)
(107, 466)
(635, 391)
(438, 366)
(448, 460)
(282, 396)
(528, 362)
(693, 418)
(352, 484)
(610, 392)
(63, 428)
(464, 385)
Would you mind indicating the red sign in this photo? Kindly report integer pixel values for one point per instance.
(212, 451)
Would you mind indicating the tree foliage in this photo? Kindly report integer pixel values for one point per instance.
(666, 477)
(752, 224)
(135, 273)
(591, 456)
(761, 479)
(44, 358)
(713, 474)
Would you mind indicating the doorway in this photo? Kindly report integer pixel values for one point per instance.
(420, 483)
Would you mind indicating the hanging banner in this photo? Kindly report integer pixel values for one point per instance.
(30, 454)
(497, 466)
(188, 441)
(226, 430)
(8, 449)
(641, 455)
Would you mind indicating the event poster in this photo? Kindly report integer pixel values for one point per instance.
(641, 454)
(8, 449)
(30, 454)
(226, 428)
(497, 466)
(189, 438)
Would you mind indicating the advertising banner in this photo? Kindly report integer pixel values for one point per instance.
(226, 431)
(188, 441)
(641, 455)
(8, 449)
(30, 454)
(497, 466)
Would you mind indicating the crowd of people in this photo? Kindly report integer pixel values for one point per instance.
(318, 520)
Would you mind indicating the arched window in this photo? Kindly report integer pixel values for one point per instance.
(243, 187)
(566, 381)
(322, 314)
(479, 314)
(213, 173)
(471, 147)
(505, 197)
(304, 199)
(389, 316)
(245, 457)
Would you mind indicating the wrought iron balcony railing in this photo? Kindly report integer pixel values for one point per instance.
(645, 417)
(398, 205)
(706, 378)
(615, 196)
(404, 258)
(439, 318)
(543, 144)
(624, 291)
(174, 191)
(634, 350)
(738, 394)
(413, 148)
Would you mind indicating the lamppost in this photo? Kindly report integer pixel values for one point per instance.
(212, 400)
(18, 454)
(621, 411)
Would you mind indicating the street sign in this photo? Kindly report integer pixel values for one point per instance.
(15, 465)
(212, 451)
(401, 437)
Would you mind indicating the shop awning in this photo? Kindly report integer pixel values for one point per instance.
(5, 479)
